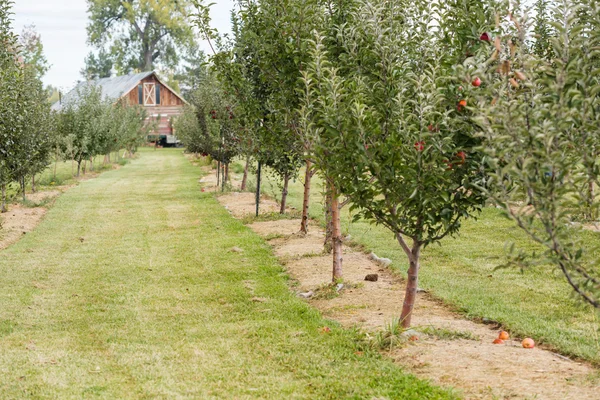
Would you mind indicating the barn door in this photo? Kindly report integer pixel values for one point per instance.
(149, 94)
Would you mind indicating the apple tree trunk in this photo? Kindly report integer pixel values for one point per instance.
(327, 245)
(410, 296)
(218, 173)
(22, 182)
(284, 193)
(336, 235)
(306, 201)
(3, 200)
(245, 178)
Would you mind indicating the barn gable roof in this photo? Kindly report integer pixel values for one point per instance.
(112, 88)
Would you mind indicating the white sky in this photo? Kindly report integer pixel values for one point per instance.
(62, 25)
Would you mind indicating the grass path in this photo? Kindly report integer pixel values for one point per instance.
(129, 289)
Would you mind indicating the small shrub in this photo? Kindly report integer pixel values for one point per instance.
(390, 338)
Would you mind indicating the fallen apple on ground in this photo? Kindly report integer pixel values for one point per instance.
(528, 343)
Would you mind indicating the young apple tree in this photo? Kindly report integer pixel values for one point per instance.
(388, 131)
(540, 121)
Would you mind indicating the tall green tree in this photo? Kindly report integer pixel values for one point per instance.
(31, 49)
(140, 33)
(97, 65)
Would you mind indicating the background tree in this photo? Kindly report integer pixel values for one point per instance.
(97, 66)
(193, 69)
(32, 50)
(140, 33)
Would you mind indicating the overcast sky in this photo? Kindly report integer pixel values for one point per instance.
(62, 25)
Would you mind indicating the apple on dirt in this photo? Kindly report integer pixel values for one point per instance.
(528, 343)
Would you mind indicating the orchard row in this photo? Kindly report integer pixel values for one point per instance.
(416, 113)
(32, 136)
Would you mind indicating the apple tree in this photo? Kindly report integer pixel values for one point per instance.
(390, 131)
(540, 121)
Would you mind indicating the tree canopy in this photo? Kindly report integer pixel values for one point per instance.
(140, 33)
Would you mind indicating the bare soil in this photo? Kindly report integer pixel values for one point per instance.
(476, 367)
(241, 204)
(18, 221)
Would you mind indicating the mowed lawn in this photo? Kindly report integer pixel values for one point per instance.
(130, 289)
(462, 271)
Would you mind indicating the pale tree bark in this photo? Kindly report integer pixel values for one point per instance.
(245, 178)
(33, 183)
(284, 193)
(306, 201)
(336, 236)
(218, 173)
(410, 296)
(327, 247)
(92, 164)
(223, 177)
(22, 182)
(56, 164)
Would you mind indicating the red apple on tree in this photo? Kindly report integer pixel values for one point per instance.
(476, 82)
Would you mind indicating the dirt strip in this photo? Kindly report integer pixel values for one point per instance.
(453, 351)
(20, 220)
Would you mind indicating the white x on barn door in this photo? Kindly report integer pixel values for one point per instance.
(149, 94)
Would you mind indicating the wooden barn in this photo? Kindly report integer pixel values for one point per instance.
(145, 89)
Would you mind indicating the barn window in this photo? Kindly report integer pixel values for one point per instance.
(140, 94)
(157, 94)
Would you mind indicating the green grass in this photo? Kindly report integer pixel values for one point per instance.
(129, 289)
(462, 272)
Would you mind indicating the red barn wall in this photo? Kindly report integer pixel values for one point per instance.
(170, 106)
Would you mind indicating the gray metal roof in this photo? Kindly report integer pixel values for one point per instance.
(112, 88)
